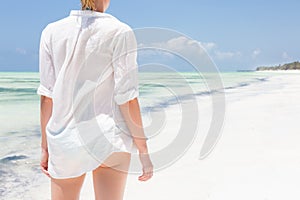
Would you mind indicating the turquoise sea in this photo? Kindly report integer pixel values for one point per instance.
(19, 117)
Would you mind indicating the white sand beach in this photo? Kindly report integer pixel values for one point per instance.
(257, 157)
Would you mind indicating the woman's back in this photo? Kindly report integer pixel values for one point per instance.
(88, 67)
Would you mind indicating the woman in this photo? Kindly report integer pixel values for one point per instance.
(90, 114)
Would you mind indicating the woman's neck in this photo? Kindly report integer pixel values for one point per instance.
(99, 7)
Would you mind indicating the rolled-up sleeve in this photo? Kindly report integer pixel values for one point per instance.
(46, 69)
(125, 67)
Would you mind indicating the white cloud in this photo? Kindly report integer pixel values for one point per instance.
(184, 46)
(285, 56)
(256, 53)
(192, 49)
(208, 45)
(179, 45)
(226, 55)
(21, 51)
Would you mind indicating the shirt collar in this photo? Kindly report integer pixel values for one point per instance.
(88, 13)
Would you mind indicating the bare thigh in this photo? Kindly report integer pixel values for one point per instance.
(66, 189)
(110, 178)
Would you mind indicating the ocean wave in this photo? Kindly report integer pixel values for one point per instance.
(168, 101)
(12, 158)
(18, 90)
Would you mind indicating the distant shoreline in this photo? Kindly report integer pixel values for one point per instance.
(284, 67)
(290, 71)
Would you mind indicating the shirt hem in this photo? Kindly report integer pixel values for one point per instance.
(90, 169)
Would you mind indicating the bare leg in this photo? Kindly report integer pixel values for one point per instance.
(110, 178)
(66, 189)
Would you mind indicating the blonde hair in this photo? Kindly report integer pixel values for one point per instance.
(88, 4)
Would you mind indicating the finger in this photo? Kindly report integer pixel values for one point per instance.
(145, 177)
(147, 174)
(142, 179)
(46, 172)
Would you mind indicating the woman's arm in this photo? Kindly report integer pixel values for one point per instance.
(46, 112)
(132, 115)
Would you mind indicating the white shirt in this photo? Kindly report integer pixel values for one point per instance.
(88, 66)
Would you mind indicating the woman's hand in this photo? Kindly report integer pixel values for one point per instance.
(44, 162)
(147, 167)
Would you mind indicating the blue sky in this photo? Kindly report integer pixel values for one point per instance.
(237, 34)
